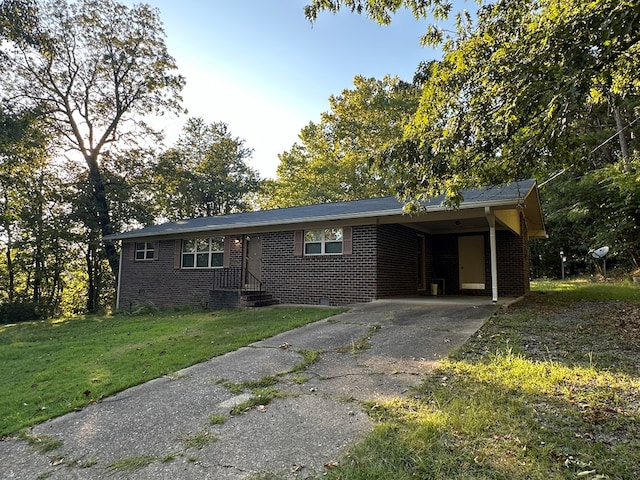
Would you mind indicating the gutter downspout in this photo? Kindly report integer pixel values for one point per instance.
(491, 218)
(119, 279)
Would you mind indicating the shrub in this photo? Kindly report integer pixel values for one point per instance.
(15, 312)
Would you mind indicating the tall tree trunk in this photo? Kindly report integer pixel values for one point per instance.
(92, 295)
(102, 212)
(8, 255)
(624, 149)
(38, 273)
(11, 274)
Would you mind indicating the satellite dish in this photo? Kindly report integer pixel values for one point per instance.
(600, 252)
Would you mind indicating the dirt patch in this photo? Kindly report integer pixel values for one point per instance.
(606, 334)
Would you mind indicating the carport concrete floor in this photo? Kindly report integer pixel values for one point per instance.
(372, 352)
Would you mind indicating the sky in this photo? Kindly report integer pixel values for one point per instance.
(262, 68)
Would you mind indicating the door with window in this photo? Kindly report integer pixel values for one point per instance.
(471, 262)
(253, 261)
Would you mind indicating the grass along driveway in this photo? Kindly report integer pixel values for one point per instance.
(548, 389)
(52, 367)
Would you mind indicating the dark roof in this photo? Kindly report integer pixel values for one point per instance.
(511, 193)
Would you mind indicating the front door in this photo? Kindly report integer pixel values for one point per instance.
(471, 262)
(253, 260)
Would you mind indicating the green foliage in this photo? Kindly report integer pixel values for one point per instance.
(71, 362)
(531, 87)
(18, 21)
(601, 207)
(382, 11)
(333, 161)
(36, 232)
(205, 173)
(89, 67)
(515, 97)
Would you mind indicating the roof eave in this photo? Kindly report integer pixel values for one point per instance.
(397, 212)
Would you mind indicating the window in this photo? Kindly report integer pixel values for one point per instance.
(325, 241)
(144, 251)
(203, 253)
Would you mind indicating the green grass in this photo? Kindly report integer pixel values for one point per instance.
(53, 367)
(131, 464)
(42, 443)
(198, 440)
(261, 396)
(217, 419)
(567, 292)
(547, 389)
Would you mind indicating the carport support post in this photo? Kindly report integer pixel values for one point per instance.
(491, 218)
(119, 278)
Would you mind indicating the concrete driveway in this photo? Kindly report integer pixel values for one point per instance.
(372, 352)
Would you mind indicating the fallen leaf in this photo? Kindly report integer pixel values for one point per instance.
(331, 465)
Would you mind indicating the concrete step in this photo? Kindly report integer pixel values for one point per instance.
(257, 299)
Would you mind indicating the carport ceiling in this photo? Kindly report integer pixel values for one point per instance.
(460, 221)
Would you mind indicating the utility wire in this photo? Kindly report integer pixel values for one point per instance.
(564, 170)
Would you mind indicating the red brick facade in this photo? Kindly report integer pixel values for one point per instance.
(382, 263)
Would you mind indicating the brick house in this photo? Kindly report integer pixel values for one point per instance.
(336, 253)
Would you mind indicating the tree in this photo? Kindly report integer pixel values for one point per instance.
(18, 21)
(600, 207)
(34, 217)
(96, 69)
(205, 173)
(382, 11)
(516, 94)
(21, 148)
(333, 160)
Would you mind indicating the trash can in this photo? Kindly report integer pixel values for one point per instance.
(434, 289)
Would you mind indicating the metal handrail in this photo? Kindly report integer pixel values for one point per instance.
(253, 284)
(228, 279)
(231, 279)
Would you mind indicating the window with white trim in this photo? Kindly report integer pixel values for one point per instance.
(203, 253)
(323, 241)
(144, 250)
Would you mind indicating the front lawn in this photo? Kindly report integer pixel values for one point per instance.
(547, 389)
(53, 367)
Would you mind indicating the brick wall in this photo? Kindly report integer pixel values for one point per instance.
(513, 264)
(382, 264)
(159, 282)
(397, 273)
(320, 279)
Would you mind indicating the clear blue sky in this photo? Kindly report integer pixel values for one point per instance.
(262, 68)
